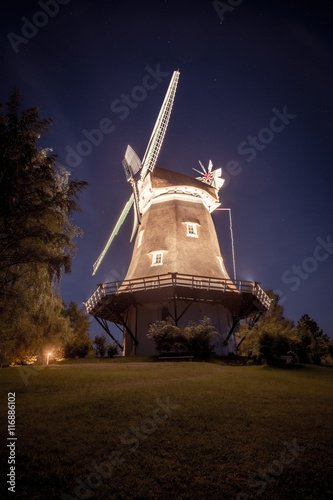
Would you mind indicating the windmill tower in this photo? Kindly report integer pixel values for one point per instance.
(177, 270)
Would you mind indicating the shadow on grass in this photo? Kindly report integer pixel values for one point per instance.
(118, 359)
(285, 366)
(225, 361)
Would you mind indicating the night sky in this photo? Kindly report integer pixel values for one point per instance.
(254, 96)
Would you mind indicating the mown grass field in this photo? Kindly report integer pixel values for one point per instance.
(145, 430)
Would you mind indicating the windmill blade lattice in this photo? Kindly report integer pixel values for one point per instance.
(157, 136)
(132, 164)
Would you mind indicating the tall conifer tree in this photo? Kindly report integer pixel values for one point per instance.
(36, 233)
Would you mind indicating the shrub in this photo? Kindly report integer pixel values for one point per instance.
(77, 347)
(194, 338)
(268, 341)
(330, 348)
(165, 336)
(100, 343)
(199, 337)
(326, 360)
(112, 350)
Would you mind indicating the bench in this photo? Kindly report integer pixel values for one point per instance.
(286, 359)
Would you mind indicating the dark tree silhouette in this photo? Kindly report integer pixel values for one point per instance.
(36, 235)
(36, 199)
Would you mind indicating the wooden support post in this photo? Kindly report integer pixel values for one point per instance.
(105, 326)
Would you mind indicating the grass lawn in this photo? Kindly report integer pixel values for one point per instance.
(149, 430)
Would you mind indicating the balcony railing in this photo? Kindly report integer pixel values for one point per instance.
(175, 280)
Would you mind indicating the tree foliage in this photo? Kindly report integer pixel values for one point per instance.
(311, 344)
(112, 350)
(37, 200)
(274, 336)
(199, 337)
(100, 345)
(34, 323)
(165, 336)
(79, 344)
(193, 338)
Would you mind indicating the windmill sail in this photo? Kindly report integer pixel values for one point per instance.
(114, 232)
(157, 136)
(132, 164)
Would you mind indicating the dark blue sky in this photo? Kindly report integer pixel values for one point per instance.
(238, 70)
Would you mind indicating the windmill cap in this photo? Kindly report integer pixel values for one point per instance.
(162, 178)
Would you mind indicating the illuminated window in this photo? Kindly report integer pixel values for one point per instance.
(157, 258)
(192, 229)
(140, 238)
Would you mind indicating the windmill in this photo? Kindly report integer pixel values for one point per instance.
(176, 270)
(132, 165)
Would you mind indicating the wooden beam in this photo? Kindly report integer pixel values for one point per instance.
(105, 326)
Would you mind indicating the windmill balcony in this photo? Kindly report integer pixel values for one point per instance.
(196, 288)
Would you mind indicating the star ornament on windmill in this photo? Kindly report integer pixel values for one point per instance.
(210, 176)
